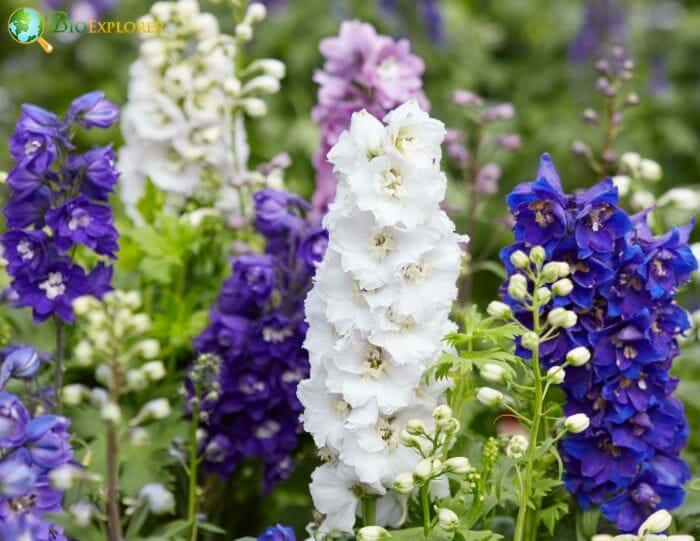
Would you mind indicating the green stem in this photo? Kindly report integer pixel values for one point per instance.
(194, 461)
(369, 509)
(58, 365)
(526, 487)
(425, 505)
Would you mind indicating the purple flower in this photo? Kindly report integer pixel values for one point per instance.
(257, 329)
(625, 281)
(48, 441)
(313, 247)
(97, 169)
(56, 289)
(16, 478)
(53, 186)
(92, 110)
(251, 283)
(278, 212)
(78, 221)
(278, 533)
(20, 362)
(14, 419)
(362, 70)
(26, 251)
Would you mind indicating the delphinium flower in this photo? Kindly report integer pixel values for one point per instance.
(183, 125)
(603, 22)
(59, 203)
(125, 365)
(362, 70)
(618, 354)
(651, 530)
(278, 533)
(430, 12)
(378, 312)
(467, 147)
(33, 448)
(257, 328)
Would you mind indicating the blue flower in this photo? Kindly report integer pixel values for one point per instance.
(27, 251)
(92, 110)
(278, 533)
(14, 419)
(20, 362)
(99, 176)
(78, 221)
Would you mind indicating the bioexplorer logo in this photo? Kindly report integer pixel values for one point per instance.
(27, 26)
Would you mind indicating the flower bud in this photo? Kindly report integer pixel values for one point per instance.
(155, 409)
(578, 356)
(64, 476)
(138, 436)
(256, 12)
(650, 170)
(489, 397)
(416, 427)
(158, 498)
(642, 199)
(422, 471)
(103, 374)
(563, 287)
(447, 519)
(154, 370)
(263, 84)
(136, 380)
(577, 423)
(556, 375)
(517, 287)
(555, 270)
(493, 372)
(657, 522)
(73, 394)
(149, 348)
(543, 295)
(530, 340)
(83, 353)
(269, 66)
(631, 162)
(451, 425)
(82, 513)
(499, 309)
(372, 533)
(254, 107)
(82, 305)
(559, 317)
(244, 32)
(537, 255)
(622, 183)
(519, 259)
(517, 446)
(458, 464)
(403, 483)
(140, 323)
(442, 413)
(111, 412)
(408, 440)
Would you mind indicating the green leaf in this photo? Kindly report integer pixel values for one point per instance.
(493, 267)
(209, 527)
(474, 535)
(151, 202)
(411, 534)
(174, 528)
(549, 516)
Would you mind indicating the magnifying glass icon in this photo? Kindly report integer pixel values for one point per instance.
(26, 26)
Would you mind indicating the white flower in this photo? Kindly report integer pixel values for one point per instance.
(650, 170)
(378, 312)
(333, 490)
(64, 476)
(556, 375)
(622, 183)
(447, 519)
(154, 370)
(492, 372)
(578, 356)
(499, 309)
(159, 499)
(156, 409)
(681, 198)
(82, 512)
(111, 412)
(73, 394)
(149, 348)
(631, 162)
(372, 533)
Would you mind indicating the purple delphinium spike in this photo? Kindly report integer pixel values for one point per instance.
(362, 70)
(625, 282)
(257, 328)
(603, 24)
(34, 448)
(58, 202)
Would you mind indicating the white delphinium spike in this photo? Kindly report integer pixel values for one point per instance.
(183, 123)
(378, 311)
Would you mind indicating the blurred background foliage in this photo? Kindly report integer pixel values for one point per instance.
(533, 53)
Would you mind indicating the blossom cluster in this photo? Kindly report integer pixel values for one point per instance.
(622, 289)
(184, 121)
(32, 449)
(257, 329)
(378, 310)
(362, 70)
(58, 203)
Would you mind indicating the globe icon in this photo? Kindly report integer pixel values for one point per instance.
(25, 25)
